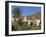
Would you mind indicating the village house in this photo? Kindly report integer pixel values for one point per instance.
(27, 19)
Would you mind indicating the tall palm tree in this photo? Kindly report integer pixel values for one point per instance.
(18, 12)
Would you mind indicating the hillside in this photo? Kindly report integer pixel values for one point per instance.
(36, 16)
(31, 17)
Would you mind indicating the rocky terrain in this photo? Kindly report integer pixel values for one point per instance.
(19, 25)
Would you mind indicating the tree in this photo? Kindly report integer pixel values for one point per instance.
(18, 12)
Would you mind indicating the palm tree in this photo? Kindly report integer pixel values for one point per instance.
(18, 12)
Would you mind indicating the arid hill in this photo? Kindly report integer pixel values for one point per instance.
(35, 16)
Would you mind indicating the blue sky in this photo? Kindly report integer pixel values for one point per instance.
(26, 10)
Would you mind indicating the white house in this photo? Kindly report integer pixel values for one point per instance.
(29, 21)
